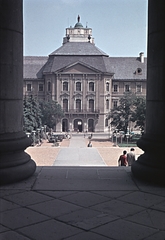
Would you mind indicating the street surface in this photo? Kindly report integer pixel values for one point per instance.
(74, 152)
(78, 154)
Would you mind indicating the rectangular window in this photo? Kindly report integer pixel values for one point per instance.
(28, 87)
(107, 104)
(78, 105)
(106, 122)
(91, 86)
(78, 86)
(127, 88)
(49, 86)
(65, 86)
(138, 88)
(107, 86)
(115, 88)
(91, 105)
(40, 87)
(114, 103)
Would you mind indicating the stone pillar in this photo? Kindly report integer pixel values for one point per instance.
(15, 164)
(151, 165)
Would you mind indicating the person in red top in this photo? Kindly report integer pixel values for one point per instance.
(123, 159)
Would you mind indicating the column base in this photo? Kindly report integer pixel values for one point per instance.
(150, 166)
(15, 164)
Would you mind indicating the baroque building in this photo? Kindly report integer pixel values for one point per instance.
(84, 80)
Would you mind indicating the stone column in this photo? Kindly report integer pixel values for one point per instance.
(15, 164)
(151, 165)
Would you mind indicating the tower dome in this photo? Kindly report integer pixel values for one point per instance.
(78, 33)
(78, 24)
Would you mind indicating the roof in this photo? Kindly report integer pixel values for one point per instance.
(126, 67)
(78, 25)
(79, 48)
(123, 67)
(58, 62)
(33, 66)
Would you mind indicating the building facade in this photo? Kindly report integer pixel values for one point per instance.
(84, 80)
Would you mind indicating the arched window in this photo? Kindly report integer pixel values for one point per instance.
(91, 86)
(107, 104)
(65, 86)
(78, 86)
(91, 105)
(65, 105)
(107, 87)
(78, 105)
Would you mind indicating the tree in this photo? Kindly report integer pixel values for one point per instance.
(139, 112)
(121, 114)
(51, 112)
(131, 108)
(31, 114)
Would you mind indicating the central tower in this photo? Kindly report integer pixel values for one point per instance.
(78, 33)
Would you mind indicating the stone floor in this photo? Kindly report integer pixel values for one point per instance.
(79, 203)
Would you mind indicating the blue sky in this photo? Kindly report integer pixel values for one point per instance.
(119, 26)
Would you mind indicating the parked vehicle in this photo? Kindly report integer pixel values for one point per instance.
(135, 137)
(55, 138)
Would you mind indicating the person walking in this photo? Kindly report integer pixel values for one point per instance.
(131, 156)
(123, 159)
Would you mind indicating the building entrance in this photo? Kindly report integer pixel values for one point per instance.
(78, 125)
(65, 125)
(91, 125)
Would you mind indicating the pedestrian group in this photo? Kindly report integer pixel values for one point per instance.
(127, 159)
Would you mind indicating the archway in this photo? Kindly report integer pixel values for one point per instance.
(65, 125)
(91, 126)
(78, 125)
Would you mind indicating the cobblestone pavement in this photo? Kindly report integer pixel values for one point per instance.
(46, 154)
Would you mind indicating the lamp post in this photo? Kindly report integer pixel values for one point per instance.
(109, 131)
(121, 136)
(42, 132)
(45, 131)
(116, 130)
(28, 135)
(38, 135)
(112, 137)
(34, 138)
(127, 136)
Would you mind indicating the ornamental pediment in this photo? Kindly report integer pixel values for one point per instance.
(90, 96)
(78, 95)
(79, 68)
(66, 95)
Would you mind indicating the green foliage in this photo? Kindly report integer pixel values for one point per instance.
(139, 112)
(38, 113)
(130, 108)
(51, 112)
(31, 114)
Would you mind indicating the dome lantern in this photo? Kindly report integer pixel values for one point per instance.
(78, 24)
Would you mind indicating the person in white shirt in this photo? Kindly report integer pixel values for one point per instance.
(131, 156)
